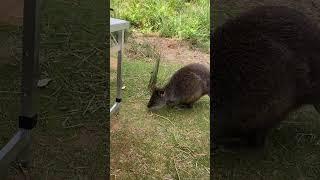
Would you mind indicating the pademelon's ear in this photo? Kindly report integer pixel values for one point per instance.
(152, 88)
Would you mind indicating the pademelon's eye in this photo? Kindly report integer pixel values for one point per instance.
(161, 92)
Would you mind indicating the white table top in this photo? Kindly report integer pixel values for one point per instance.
(118, 24)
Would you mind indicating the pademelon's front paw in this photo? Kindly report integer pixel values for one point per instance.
(185, 106)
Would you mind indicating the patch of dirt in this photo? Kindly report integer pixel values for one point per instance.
(115, 123)
(11, 12)
(172, 50)
(86, 138)
(113, 63)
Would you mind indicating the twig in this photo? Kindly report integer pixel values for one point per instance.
(11, 92)
(84, 112)
(74, 126)
(65, 122)
(175, 167)
(61, 116)
(165, 119)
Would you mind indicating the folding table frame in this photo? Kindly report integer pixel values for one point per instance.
(18, 148)
(118, 26)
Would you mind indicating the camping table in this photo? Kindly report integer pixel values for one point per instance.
(18, 148)
(118, 26)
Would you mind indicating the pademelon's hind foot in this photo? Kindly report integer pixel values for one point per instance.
(257, 139)
(171, 103)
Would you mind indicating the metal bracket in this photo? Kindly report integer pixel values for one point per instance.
(27, 122)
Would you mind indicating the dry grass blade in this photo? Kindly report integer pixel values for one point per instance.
(165, 119)
(84, 112)
(176, 169)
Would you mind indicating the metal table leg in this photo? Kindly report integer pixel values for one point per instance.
(116, 105)
(18, 148)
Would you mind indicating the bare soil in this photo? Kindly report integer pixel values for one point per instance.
(11, 12)
(173, 50)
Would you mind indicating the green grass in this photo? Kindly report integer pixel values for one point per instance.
(70, 138)
(188, 20)
(168, 143)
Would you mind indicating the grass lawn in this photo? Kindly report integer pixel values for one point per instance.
(70, 138)
(168, 144)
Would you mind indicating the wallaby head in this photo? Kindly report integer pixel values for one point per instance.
(157, 99)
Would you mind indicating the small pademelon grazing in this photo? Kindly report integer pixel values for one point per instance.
(186, 86)
(266, 64)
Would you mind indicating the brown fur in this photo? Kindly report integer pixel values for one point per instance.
(185, 87)
(266, 64)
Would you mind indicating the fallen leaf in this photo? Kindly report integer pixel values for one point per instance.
(43, 82)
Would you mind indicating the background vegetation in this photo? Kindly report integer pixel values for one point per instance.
(184, 19)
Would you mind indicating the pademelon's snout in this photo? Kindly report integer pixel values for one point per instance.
(153, 107)
(150, 106)
(150, 103)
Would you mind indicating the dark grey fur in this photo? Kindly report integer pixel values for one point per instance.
(185, 87)
(266, 64)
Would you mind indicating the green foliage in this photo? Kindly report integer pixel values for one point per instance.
(185, 19)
